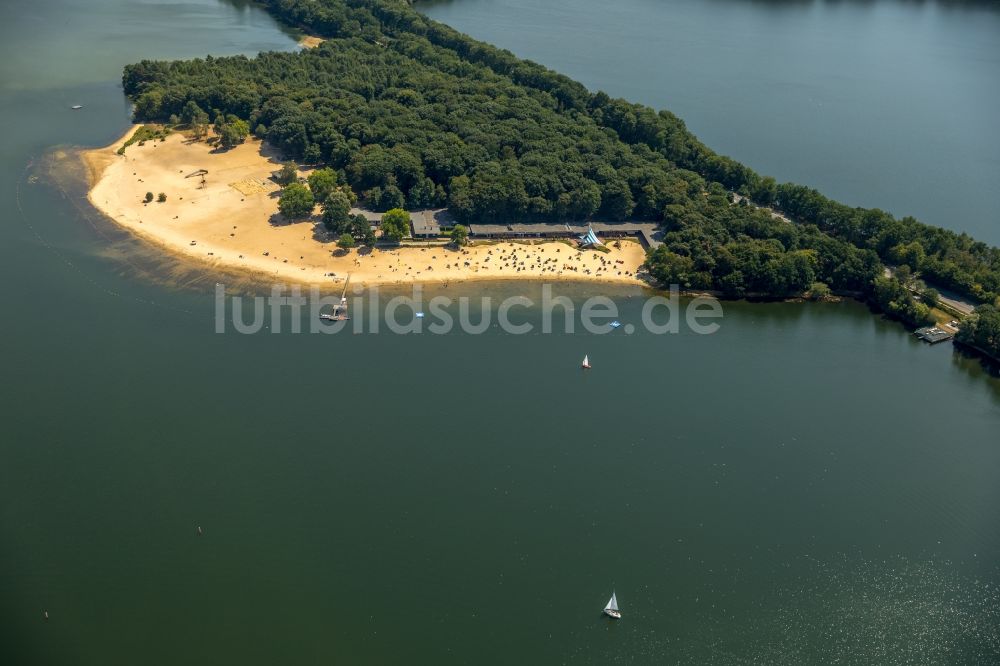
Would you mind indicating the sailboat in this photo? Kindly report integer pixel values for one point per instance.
(586, 362)
(611, 610)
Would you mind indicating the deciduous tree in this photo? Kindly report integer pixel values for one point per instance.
(459, 235)
(296, 201)
(336, 212)
(288, 174)
(322, 182)
(396, 224)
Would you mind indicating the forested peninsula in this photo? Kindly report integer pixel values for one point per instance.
(411, 112)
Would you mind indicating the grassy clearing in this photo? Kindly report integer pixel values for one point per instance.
(145, 133)
(942, 317)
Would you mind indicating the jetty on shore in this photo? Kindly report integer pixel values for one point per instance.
(340, 309)
(933, 334)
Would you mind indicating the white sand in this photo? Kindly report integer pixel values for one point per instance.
(219, 224)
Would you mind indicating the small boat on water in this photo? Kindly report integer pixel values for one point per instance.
(611, 610)
(586, 362)
(76, 107)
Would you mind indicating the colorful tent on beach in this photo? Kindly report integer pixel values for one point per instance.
(590, 238)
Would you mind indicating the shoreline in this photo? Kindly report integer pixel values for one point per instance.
(229, 223)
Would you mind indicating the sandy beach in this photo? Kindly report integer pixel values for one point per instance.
(230, 220)
(310, 41)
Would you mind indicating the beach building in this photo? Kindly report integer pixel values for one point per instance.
(370, 215)
(424, 224)
(645, 232)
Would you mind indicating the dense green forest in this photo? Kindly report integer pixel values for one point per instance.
(412, 112)
(982, 330)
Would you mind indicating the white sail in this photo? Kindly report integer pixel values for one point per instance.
(613, 604)
(586, 360)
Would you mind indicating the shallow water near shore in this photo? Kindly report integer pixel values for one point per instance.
(809, 483)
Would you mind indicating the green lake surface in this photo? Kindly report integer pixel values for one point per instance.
(808, 485)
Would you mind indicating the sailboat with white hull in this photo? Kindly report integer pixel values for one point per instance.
(586, 362)
(611, 610)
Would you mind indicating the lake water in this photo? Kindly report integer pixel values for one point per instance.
(887, 104)
(808, 484)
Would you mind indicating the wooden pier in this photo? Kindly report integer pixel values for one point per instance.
(933, 334)
(340, 309)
